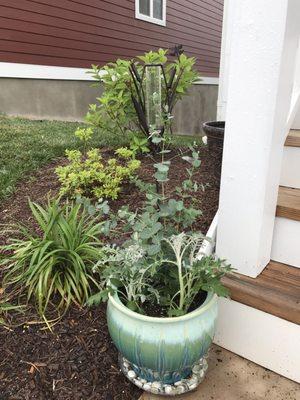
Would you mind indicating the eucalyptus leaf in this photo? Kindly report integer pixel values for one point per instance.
(156, 139)
(162, 167)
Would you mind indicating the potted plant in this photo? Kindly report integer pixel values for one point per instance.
(162, 311)
(214, 131)
(161, 289)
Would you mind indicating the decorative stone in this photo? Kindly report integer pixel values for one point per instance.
(168, 389)
(193, 386)
(201, 374)
(138, 383)
(157, 387)
(196, 369)
(193, 380)
(131, 374)
(178, 383)
(180, 389)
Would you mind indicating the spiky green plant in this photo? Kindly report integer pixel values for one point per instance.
(56, 265)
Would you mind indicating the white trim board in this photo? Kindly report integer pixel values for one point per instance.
(32, 71)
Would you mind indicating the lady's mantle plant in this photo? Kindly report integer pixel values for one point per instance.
(89, 174)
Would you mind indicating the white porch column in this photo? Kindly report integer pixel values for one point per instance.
(261, 61)
(229, 7)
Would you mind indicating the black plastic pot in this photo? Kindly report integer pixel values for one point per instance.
(214, 131)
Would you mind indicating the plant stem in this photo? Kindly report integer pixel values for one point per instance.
(181, 282)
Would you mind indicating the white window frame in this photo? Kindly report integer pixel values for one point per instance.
(147, 18)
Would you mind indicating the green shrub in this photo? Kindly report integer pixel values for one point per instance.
(92, 176)
(56, 265)
(114, 111)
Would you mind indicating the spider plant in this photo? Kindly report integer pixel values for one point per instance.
(54, 265)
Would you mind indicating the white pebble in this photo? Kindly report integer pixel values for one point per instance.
(138, 383)
(126, 364)
(156, 385)
(131, 374)
(196, 369)
(193, 386)
(168, 389)
(154, 390)
(178, 383)
(147, 386)
(180, 389)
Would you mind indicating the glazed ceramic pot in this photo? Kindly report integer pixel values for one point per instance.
(162, 350)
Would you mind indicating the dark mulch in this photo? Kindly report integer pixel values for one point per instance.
(77, 360)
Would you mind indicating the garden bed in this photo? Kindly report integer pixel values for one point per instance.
(77, 360)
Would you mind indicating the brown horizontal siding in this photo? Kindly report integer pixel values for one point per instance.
(71, 20)
(12, 39)
(95, 34)
(81, 32)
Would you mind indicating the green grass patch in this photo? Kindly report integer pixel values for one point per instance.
(26, 145)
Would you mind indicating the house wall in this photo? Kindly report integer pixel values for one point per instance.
(84, 32)
(69, 100)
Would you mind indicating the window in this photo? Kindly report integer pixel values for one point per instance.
(151, 10)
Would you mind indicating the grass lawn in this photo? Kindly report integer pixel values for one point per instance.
(26, 145)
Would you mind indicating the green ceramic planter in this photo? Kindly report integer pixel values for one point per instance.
(162, 349)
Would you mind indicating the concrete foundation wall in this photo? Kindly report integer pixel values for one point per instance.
(68, 100)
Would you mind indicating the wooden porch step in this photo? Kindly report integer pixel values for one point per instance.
(276, 290)
(293, 138)
(288, 203)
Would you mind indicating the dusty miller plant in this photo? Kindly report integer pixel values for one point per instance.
(171, 279)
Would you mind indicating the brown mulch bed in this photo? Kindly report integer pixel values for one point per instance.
(78, 360)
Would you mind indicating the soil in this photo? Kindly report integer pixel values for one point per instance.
(162, 312)
(77, 360)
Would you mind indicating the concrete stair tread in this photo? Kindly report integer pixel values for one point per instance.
(293, 138)
(276, 290)
(288, 203)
